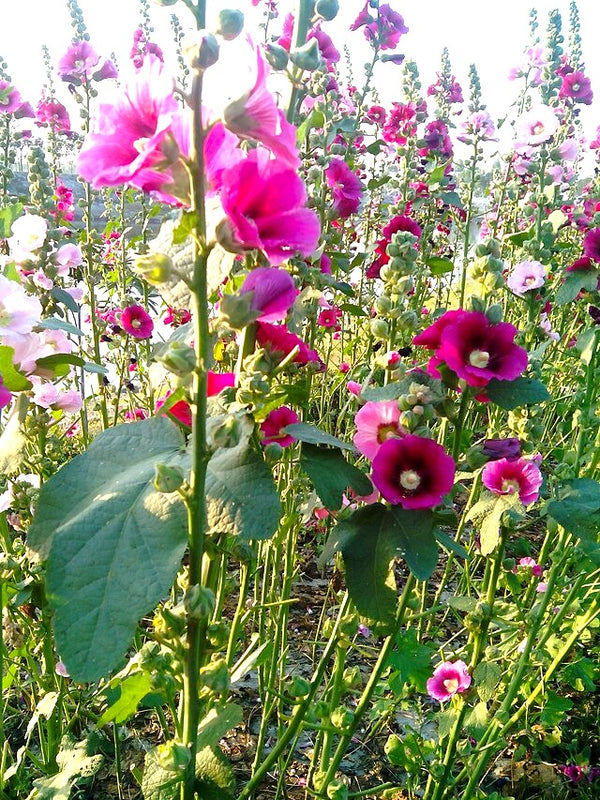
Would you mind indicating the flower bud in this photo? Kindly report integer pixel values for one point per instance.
(352, 677)
(173, 756)
(202, 50)
(327, 9)
(494, 313)
(215, 676)
(217, 634)
(298, 686)
(155, 268)
(165, 3)
(235, 310)
(167, 479)
(179, 358)
(276, 56)
(308, 56)
(199, 602)
(231, 23)
(341, 718)
(379, 328)
(337, 790)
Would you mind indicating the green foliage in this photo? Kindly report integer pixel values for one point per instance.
(74, 761)
(520, 392)
(410, 662)
(305, 432)
(14, 380)
(578, 509)
(331, 475)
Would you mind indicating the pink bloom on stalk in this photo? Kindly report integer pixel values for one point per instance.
(536, 126)
(67, 257)
(413, 472)
(507, 477)
(255, 116)
(273, 292)
(376, 422)
(53, 114)
(354, 388)
(478, 125)
(136, 321)
(385, 30)
(346, 187)
(19, 312)
(274, 425)
(591, 244)
(78, 63)
(395, 225)
(217, 381)
(221, 152)
(525, 277)
(45, 394)
(328, 50)
(70, 401)
(10, 99)
(265, 204)
(278, 339)
(449, 678)
(329, 317)
(5, 395)
(124, 145)
(575, 86)
(182, 411)
(530, 563)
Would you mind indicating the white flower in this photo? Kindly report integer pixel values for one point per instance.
(29, 232)
(536, 126)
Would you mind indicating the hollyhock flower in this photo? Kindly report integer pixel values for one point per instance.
(584, 264)
(401, 124)
(354, 388)
(142, 48)
(329, 317)
(536, 126)
(273, 293)
(591, 244)
(28, 232)
(30, 347)
(477, 126)
(530, 563)
(509, 449)
(181, 410)
(175, 317)
(67, 257)
(507, 477)
(5, 395)
(546, 326)
(526, 276)
(106, 71)
(344, 367)
(437, 140)
(534, 61)
(53, 114)
(474, 348)
(217, 381)
(384, 31)
(41, 280)
(376, 422)
(346, 187)
(325, 264)
(274, 425)
(448, 678)
(413, 472)
(446, 88)
(135, 414)
(19, 312)
(77, 64)
(575, 86)
(285, 40)
(124, 145)
(278, 339)
(45, 394)
(255, 116)
(264, 202)
(69, 401)
(10, 99)
(136, 321)
(376, 114)
(568, 150)
(328, 50)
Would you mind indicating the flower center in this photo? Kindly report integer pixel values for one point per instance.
(508, 486)
(410, 480)
(529, 281)
(479, 358)
(537, 128)
(575, 87)
(136, 323)
(451, 685)
(386, 432)
(141, 144)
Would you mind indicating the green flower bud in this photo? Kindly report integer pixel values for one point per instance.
(231, 23)
(202, 50)
(199, 602)
(494, 313)
(298, 686)
(179, 358)
(307, 57)
(379, 328)
(341, 718)
(217, 634)
(383, 304)
(352, 677)
(167, 479)
(155, 268)
(235, 310)
(215, 676)
(321, 709)
(327, 9)
(173, 756)
(276, 56)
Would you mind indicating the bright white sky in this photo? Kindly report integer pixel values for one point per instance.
(490, 34)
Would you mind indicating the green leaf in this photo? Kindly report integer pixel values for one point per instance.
(388, 392)
(368, 545)
(446, 721)
(465, 604)
(214, 776)
(406, 752)
(59, 364)
(410, 662)
(440, 266)
(112, 542)
(57, 324)
(477, 720)
(487, 516)
(448, 543)
(314, 120)
(305, 432)
(217, 723)
(130, 692)
(416, 542)
(452, 199)
(240, 493)
(575, 282)
(8, 215)
(554, 710)
(578, 509)
(520, 392)
(65, 298)
(581, 675)
(14, 380)
(486, 677)
(331, 475)
(73, 762)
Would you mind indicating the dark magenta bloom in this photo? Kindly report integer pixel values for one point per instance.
(448, 678)
(326, 46)
(136, 321)
(385, 30)
(575, 86)
(345, 187)
(274, 425)
(502, 448)
(584, 264)
(217, 381)
(591, 244)
(278, 339)
(273, 292)
(520, 476)
(413, 472)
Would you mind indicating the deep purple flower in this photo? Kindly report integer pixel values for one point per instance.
(575, 86)
(326, 46)
(273, 427)
(507, 477)
(437, 140)
(502, 448)
(385, 30)
(584, 264)
(591, 244)
(345, 186)
(413, 472)
(273, 292)
(448, 678)
(574, 773)
(136, 321)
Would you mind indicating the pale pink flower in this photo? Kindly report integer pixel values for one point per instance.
(530, 563)
(19, 312)
(376, 422)
(526, 276)
(354, 387)
(536, 126)
(78, 63)
(45, 394)
(448, 679)
(67, 257)
(70, 401)
(41, 280)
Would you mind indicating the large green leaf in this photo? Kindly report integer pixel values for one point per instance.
(73, 762)
(410, 662)
(416, 542)
(305, 432)
(113, 543)
(331, 475)
(578, 509)
(14, 380)
(520, 392)
(241, 496)
(575, 282)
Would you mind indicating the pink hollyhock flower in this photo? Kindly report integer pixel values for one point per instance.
(217, 381)
(346, 188)
(413, 472)
(575, 86)
(376, 114)
(325, 264)
(255, 116)
(19, 312)
(530, 563)
(385, 30)
(401, 124)
(326, 46)
(136, 321)
(376, 422)
(77, 64)
(478, 126)
(584, 264)
(437, 140)
(106, 71)
(67, 257)
(274, 425)
(70, 401)
(474, 348)
(329, 317)
(265, 205)
(10, 99)
(591, 244)
(536, 126)
(354, 388)
(45, 394)
(124, 145)
(278, 339)
(273, 292)
(137, 413)
(221, 152)
(5, 395)
(344, 367)
(53, 114)
(507, 477)
(526, 276)
(285, 40)
(175, 317)
(448, 678)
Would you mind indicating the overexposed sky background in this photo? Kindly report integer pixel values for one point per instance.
(491, 35)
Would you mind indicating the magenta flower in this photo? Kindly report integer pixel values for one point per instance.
(265, 204)
(124, 145)
(591, 244)
(507, 477)
(385, 30)
(530, 563)
(255, 116)
(5, 395)
(78, 63)
(575, 86)
(136, 321)
(448, 679)
(474, 348)
(274, 425)
(278, 339)
(376, 422)
(345, 186)
(53, 114)
(525, 277)
(273, 292)
(329, 317)
(10, 99)
(326, 46)
(217, 381)
(413, 472)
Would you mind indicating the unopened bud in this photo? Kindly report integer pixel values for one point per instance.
(173, 756)
(179, 358)
(231, 23)
(337, 790)
(155, 268)
(199, 601)
(215, 676)
(494, 313)
(167, 479)
(235, 310)
(308, 56)
(202, 50)
(298, 686)
(277, 56)
(165, 3)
